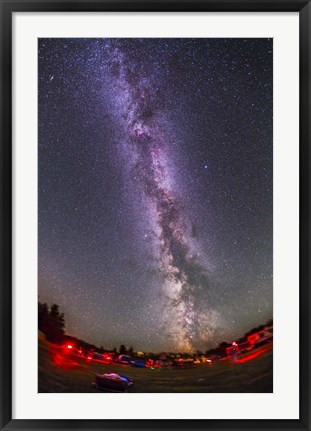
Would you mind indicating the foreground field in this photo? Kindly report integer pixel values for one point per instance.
(252, 373)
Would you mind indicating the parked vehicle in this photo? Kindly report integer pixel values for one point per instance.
(261, 337)
(245, 347)
(140, 363)
(123, 359)
(126, 360)
(112, 382)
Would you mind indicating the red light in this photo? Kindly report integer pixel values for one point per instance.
(254, 355)
(69, 346)
(89, 357)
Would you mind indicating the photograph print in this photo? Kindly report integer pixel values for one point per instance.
(155, 215)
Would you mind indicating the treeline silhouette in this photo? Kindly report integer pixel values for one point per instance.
(220, 350)
(51, 322)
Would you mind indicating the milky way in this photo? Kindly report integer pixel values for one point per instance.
(187, 283)
(174, 139)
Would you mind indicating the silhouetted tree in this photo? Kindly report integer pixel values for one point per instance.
(222, 347)
(122, 349)
(43, 317)
(57, 325)
(51, 323)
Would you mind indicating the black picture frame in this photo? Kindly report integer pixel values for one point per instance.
(8, 7)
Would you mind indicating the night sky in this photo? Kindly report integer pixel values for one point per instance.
(155, 189)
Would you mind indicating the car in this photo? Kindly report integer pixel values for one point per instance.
(126, 360)
(123, 359)
(112, 382)
(140, 363)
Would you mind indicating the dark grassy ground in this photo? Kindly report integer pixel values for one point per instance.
(75, 375)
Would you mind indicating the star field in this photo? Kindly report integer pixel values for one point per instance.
(155, 188)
